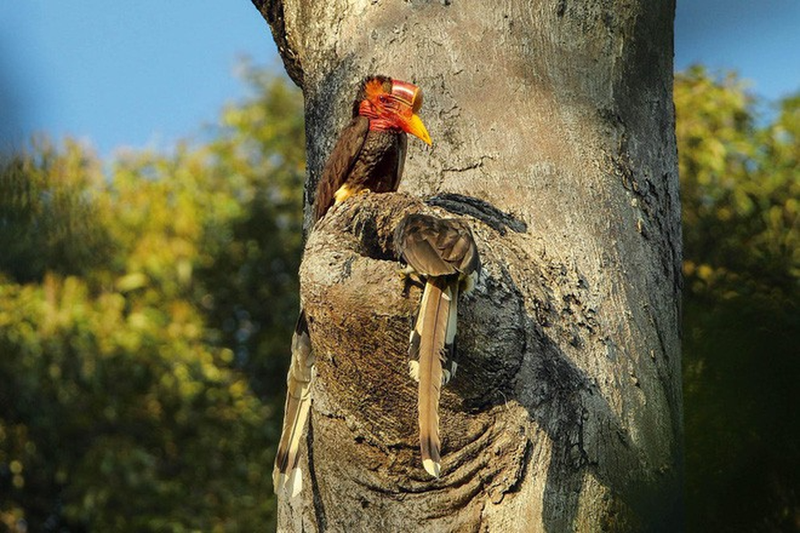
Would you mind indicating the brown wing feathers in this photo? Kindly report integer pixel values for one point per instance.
(339, 164)
(436, 246)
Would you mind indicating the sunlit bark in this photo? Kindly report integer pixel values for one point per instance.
(566, 411)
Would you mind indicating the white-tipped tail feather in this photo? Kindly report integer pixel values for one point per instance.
(286, 472)
(443, 252)
(432, 467)
(427, 350)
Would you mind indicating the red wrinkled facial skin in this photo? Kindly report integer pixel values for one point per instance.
(389, 111)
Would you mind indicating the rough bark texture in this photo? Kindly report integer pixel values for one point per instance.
(554, 121)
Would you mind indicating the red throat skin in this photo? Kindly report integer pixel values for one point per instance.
(377, 122)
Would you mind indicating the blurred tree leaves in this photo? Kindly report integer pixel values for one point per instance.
(145, 308)
(740, 184)
(48, 205)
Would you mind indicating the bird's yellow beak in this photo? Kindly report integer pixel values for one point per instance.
(415, 127)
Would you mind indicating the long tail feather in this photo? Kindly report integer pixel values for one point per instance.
(296, 411)
(450, 365)
(431, 330)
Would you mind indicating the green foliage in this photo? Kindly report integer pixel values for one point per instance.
(145, 312)
(740, 186)
(47, 212)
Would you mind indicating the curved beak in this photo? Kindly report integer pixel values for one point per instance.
(415, 127)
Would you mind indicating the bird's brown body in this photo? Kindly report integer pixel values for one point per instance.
(361, 160)
(368, 155)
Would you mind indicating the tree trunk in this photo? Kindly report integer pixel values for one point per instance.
(553, 131)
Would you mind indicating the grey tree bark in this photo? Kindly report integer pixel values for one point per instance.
(553, 131)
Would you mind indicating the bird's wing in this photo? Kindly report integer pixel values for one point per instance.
(402, 146)
(436, 246)
(339, 163)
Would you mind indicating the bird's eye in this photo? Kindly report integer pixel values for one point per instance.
(384, 98)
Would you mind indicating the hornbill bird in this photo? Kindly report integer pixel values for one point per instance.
(369, 155)
(442, 251)
(371, 150)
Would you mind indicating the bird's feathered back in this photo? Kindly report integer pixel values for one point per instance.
(436, 246)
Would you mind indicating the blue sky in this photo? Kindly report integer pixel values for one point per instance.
(149, 72)
(140, 73)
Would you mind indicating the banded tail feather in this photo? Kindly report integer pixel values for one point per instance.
(443, 251)
(286, 472)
